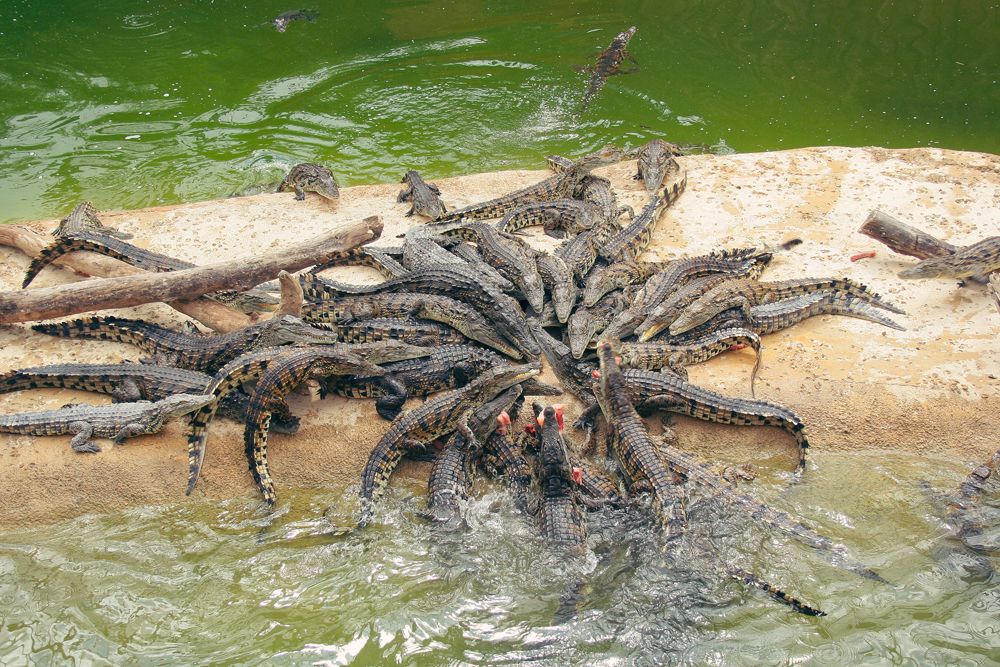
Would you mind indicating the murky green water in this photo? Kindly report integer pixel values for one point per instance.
(137, 103)
(212, 583)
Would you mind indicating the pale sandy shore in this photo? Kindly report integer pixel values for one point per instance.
(858, 386)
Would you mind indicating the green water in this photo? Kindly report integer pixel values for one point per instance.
(134, 103)
(139, 103)
(214, 583)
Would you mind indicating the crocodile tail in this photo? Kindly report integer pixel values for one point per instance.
(49, 254)
(751, 579)
(116, 329)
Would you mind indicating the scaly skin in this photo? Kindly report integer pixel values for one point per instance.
(473, 258)
(581, 251)
(978, 259)
(84, 218)
(283, 375)
(772, 317)
(118, 421)
(454, 469)
(636, 451)
(458, 282)
(559, 218)
(633, 239)
(506, 254)
(573, 377)
(207, 353)
(744, 293)
(968, 525)
(504, 457)
(249, 301)
(654, 161)
(657, 355)
(342, 309)
(559, 513)
(560, 283)
(423, 333)
(560, 186)
(368, 256)
(648, 389)
(282, 20)
(309, 177)
(596, 191)
(599, 489)
(701, 473)
(618, 275)
(435, 418)
(586, 323)
(425, 196)
(608, 64)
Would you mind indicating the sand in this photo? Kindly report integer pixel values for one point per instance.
(859, 387)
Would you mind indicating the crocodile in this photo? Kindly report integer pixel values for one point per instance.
(286, 372)
(980, 258)
(248, 367)
(282, 20)
(619, 275)
(675, 357)
(608, 64)
(596, 190)
(199, 352)
(574, 377)
(350, 308)
(454, 468)
(128, 382)
(474, 258)
(437, 417)
(654, 161)
(744, 293)
(503, 456)
(559, 218)
(423, 333)
(249, 301)
(670, 392)
(426, 197)
(83, 217)
(507, 254)
(560, 283)
(597, 488)
(772, 317)
(701, 474)
(118, 421)
(310, 177)
(455, 281)
(560, 186)
(373, 258)
(633, 239)
(580, 253)
(635, 448)
(585, 323)
(559, 511)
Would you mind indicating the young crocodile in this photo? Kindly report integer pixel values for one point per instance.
(197, 352)
(637, 453)
(559, 511)
(654, 161)
(309, 177)
(586, 323)
(437, 417)
(416, 332)
(744, 293)
(454, 468)
(282, 20)
(118, 421)
(619, 275)
(249, 301)
(559, 186)
(426, 197)
(980, 258)
(608, 64)
(633, 239)
(559, 282)
(559, 218)
(286, 372)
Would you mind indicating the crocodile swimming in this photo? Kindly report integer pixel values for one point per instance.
(117, 421)
(426, 197)
(309, 177)
(608, 64)
(282, 20)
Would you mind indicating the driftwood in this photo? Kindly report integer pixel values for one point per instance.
(212, 314)
(291, 295)
(133, 290)
(906, 240)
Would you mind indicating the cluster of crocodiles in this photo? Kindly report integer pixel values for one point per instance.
(465, 315)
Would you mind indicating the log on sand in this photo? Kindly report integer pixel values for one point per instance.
(136, 289)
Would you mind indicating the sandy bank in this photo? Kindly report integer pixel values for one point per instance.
(857, 385)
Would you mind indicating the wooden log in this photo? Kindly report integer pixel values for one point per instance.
(902, 238)
(133, 290)
(212, 314)
(906, 240)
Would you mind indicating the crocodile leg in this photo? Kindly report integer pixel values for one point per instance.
(82, 440)
(127, 391)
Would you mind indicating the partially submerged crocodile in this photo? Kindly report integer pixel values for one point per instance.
(608, 64)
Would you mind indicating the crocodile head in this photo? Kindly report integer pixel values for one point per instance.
(315, 178)
(553, 456)
(182, 404)
(609, 154)
(499, 378)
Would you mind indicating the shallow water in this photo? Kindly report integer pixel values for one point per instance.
(133, 104)
(216, 582)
